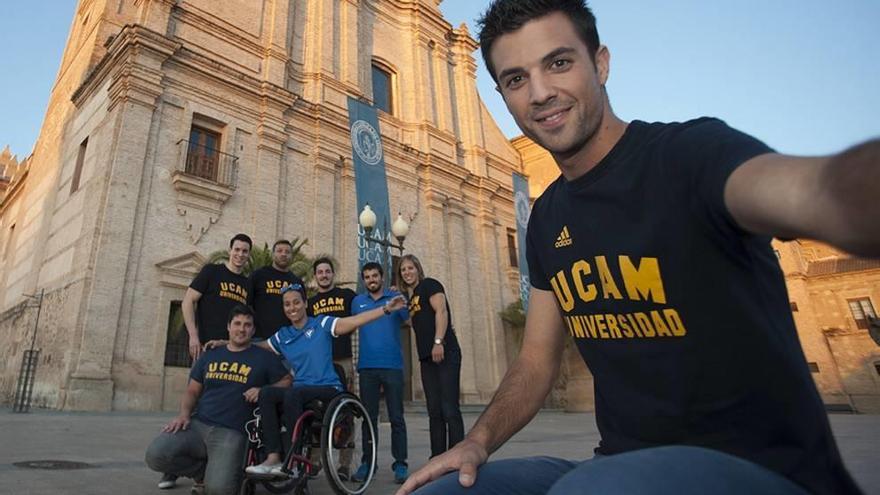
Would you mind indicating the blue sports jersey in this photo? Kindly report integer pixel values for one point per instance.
(310, 351)
(379, 341)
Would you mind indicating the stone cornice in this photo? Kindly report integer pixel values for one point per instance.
(228, 34)
(125, 46)
(427, 18)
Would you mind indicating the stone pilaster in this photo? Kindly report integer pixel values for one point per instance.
(133, 91)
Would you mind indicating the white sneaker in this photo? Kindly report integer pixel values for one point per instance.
(264, 469)
(168, 481)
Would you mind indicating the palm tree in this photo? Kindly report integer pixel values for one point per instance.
(300, 263)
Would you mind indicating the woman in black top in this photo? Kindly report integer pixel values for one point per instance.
(439, 353)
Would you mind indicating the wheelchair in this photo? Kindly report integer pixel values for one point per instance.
(339, 430)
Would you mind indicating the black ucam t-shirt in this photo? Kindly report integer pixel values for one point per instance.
(335, 302)
(682, 317)
(264, 295)
(423, 318)
(225, 376)
(221, 291)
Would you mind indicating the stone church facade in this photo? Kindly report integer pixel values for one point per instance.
(174, 124)
(831, 295)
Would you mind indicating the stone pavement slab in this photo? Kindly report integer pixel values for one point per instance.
(114, 444)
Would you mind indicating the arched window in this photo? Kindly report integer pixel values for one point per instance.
(383, 82)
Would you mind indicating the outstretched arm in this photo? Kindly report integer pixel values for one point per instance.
(519, 397)
(835, 199)
(348, 324)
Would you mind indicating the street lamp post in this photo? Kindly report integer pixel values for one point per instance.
(400, 228)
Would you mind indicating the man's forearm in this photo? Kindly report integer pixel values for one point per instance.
(519, 397)
(851, 179)
(189, 318)
(188, 404)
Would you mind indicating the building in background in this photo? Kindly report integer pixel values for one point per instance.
(173, 125)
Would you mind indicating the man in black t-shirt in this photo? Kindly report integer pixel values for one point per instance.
(213, 293)
(264, 290)
(652, 251)
(206, 441)
(333, 301)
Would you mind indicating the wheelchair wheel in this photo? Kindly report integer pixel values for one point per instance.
(347, 437)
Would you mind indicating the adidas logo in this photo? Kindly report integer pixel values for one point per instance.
(564, 238)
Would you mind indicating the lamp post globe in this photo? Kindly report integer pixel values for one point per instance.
(400, 228)
(367, 219)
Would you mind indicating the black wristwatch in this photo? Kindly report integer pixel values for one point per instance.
(385, 309)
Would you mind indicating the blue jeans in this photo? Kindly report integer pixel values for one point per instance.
(391, 381)
(657, 471)
(202, 451)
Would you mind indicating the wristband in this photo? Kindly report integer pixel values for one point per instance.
(385, 309)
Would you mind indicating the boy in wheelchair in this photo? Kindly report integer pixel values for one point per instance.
(307, 346)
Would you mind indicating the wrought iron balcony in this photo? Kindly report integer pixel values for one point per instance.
(208, 163)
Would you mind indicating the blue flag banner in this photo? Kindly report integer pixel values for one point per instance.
(523, 209)
(370, 182)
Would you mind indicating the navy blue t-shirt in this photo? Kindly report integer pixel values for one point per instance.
(424, 319)
(264, 295)
(225, 376)
(221, 291)
(335, 302)
(682, 317)
(309, 350)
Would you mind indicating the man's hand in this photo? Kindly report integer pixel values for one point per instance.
(252, 394)
(437, 353)
(195, 347)
(396, 302)
(213, 344)
(179, 423)
(465, 458)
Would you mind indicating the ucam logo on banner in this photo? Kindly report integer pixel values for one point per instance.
(522, 209)
(370, 182)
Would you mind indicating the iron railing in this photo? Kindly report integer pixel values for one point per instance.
(24, 390)
(208, 163)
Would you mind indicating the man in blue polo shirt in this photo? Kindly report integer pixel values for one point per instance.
(380, 364)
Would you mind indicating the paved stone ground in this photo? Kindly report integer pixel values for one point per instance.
(114, 443)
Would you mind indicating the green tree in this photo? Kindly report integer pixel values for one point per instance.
(514, 315)
(300, 262)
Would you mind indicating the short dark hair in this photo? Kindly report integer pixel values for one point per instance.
(281, 241)
(507, 16)
(372, 266)
(321, 261)
(242, 238)
(239, 309)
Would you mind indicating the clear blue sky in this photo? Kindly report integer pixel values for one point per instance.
(803, 75)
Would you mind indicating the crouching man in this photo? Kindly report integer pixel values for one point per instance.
(206, 441)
